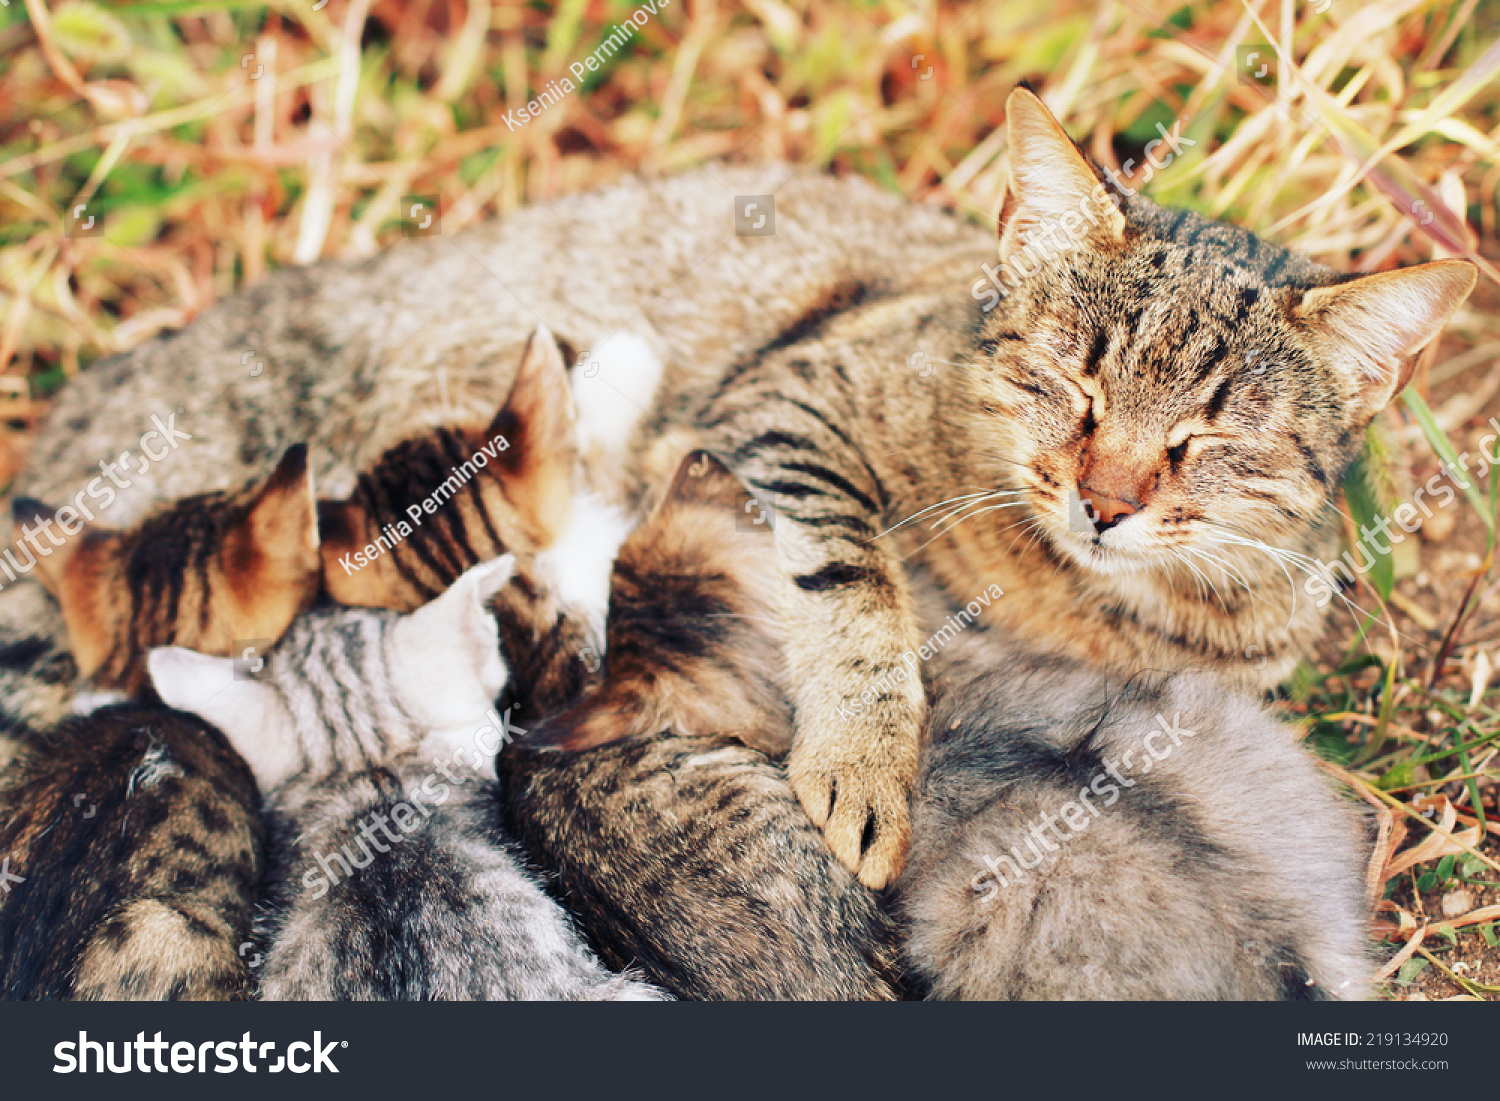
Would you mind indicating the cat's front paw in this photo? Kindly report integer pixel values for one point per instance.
(858, 791)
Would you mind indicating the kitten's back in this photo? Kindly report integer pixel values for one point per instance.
(136, 834)
(1227, 868)
(680, 849)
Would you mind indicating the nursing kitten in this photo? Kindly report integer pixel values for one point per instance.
(139, 850)
(203, 572)
(1081, 835)
(451, 497)
(1200, 389)
(136, 825)
(680, 849)
(360, 720)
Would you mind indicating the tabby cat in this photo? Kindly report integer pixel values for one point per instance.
(1081, 835)
(1202, 390)
(679, 848)
(453, 496)
(361, 721)
(204, 571)
(137, 825)
(139, 850)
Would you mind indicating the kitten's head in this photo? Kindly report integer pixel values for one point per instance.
(1155, 380)
(203, 572)
(695, 643)
(350, 688)
(528, 497)
(459, 495)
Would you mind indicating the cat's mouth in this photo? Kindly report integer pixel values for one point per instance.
(1122, 549)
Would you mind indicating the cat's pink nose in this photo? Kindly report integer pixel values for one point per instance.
(1105, 512)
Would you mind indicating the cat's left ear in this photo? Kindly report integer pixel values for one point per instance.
(1374, 326)
(445, 656)
(537, 439)
(245, 711)
(282, 524)
(1054, 199)
(52, 567)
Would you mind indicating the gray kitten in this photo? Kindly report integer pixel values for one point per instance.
(1079, 835)
(374, 735)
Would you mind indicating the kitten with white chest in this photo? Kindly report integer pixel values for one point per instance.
(373, 735)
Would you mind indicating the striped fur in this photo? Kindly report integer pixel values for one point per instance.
(678, 849)
(1204, 389)
(203, 572)
(794, 355)
(360, 721)
(533, 499)
(136, 832)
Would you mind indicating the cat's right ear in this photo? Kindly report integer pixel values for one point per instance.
(282, 524)
(247, 712)
(536, 438)
(702, 484)
(1054, 200)
(445, 656)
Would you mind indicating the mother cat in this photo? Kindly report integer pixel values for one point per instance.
(1157, 395)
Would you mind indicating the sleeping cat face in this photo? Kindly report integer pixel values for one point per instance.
(1158, 385)
(348, 689)
(201, 572)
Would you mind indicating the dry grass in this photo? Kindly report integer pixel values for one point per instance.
(1372, 141)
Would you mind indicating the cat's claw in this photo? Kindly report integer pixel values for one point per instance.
(855, 799)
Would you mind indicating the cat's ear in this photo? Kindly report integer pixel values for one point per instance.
(247, 712)
(1374, 326)
(538, 441)
(1054, 200)
(702, 481)
(445, 656)
(51, 568)
(282, 524)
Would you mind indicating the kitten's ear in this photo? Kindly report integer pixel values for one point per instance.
(282, 524)
(245, 711)
(702, 479)
(540, 438)
(50, 568)
(1051, 187)
(445, 656)
(703, 486)
(1375, 325)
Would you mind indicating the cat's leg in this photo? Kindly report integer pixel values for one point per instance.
(850, 625)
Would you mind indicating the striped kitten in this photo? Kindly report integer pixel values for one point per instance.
(1082, 836)
(136, 839)
(362, 721)
(203, 572)
(439, 502)
(678, 849)
(151, 888)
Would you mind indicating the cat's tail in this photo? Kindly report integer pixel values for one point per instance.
(1155, 842)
